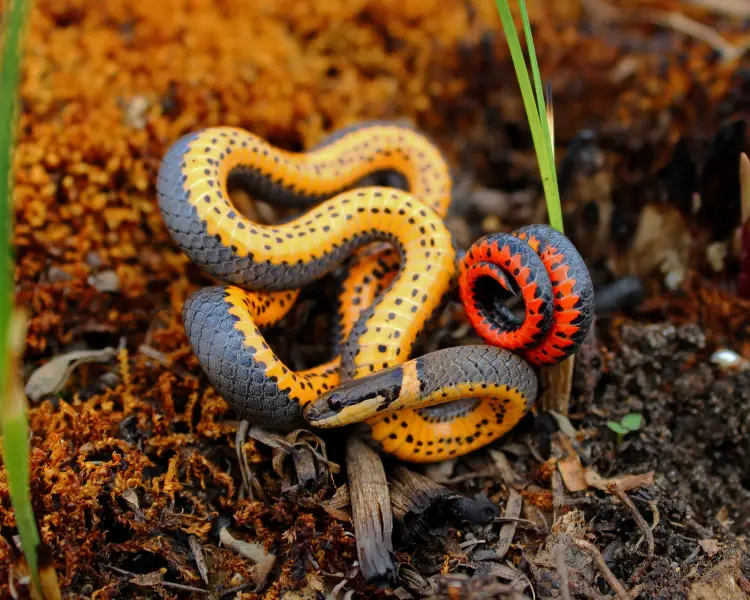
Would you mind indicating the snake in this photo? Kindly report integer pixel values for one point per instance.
(400, 264)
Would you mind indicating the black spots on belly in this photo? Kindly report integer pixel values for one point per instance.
(481, 424)
(421, 376)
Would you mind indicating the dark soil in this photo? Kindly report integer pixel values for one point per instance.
(134, 466)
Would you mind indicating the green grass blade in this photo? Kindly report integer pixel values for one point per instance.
(551, 123)
(10, 43)
(535, 110)
(552, 207)
(15, 427)
(538, 91)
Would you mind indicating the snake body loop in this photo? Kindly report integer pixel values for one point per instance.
(439, 405)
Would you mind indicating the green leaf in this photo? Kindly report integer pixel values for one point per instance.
(632, 421)
(616, 427)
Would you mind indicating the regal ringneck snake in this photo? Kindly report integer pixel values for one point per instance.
(401, 265)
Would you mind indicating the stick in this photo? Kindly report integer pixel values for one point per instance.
(557, 381)
(642, 525)
(613, 582)
(562, 571)
(371, 512)
(508, 531)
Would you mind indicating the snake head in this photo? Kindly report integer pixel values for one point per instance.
(356, 400)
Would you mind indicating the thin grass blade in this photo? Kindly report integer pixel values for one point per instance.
(536, 124)
(531, 49)
(13, 411)
(553, 205)
(551, 120)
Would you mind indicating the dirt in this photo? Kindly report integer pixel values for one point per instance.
(134, 466)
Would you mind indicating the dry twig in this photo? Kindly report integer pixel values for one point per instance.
(197, 551)
(154, 580)
(558, 494)
(557, 382)
(503, 466)
(613, 582)
(255, 551)
(642, 525)
(371, 512)
(562, 570)
(252, 485)
(508, 531)
(672, 20)
(737, 8)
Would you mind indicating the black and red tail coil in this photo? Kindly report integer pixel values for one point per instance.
(542, 266)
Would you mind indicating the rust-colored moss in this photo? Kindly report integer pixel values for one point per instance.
(134, 456)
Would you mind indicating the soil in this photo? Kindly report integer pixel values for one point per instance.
(134, 470)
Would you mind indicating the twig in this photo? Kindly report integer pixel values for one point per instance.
(338, 587)
(558, 494)
(197, 551)
(503, 466)
(562, 571)
(248, 477)
(237, 588)
(642, 525)
(557, 382)
(688, 26)
(137, 578)
(652, 527)
(528, 582)
(471, 544)
(371, 512)
(338, 504)
(508, 531)
(744, 188)
(517, 578)
(693, 555)
(164, 361)
(608, 575)
(255, 551)
(737, 8)
(470, 476)
(291, 443)
(671, 20)
(518, 520)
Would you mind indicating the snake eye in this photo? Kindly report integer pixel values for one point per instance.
(336, 402)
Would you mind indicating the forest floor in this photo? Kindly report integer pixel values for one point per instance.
(135, 479)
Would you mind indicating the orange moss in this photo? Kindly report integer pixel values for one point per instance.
(120, 467)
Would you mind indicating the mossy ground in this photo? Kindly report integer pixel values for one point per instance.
(136, 456)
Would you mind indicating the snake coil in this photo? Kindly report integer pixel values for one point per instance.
(439, 405)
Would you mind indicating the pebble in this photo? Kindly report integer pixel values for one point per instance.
(727, 359)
